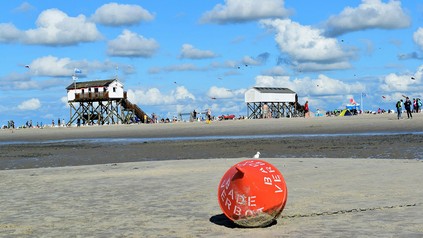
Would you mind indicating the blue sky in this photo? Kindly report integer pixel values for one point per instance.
(177, 56)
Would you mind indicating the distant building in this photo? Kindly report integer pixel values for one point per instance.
(95, 90)
(102, 102)
(280, 102)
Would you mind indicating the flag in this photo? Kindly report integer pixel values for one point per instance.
(77, 71)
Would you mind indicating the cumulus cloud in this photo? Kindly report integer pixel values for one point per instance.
(190, 52)
(219, 92)
(307, 47)
(237, 11)
(55, 27)
(154, 96)
(418, 37)
(9, 33)
(403, 82)
(129, 44)
(322, 85)
(114, 14)
(31, 104)
(51, 66)
(370, 14)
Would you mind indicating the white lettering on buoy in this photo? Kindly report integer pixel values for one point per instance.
(237, 211)
(240, 199)
(263, 171)
(276, 178)
(226, 183)
(270, 169)
(253, 212)
(228, 203)
(251, 201)
(223, 195)
(267, 180)
(231, 193)
(279, 189)
(271, 180)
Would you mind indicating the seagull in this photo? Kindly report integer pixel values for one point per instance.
(257, 155)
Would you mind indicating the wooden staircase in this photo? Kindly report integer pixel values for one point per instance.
(137, 111)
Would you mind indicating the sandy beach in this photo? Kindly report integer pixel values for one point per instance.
(346, 177)
(327, 198)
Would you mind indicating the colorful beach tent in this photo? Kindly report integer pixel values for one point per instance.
(346, 112)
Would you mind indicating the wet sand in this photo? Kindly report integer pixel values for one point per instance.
(367, 136)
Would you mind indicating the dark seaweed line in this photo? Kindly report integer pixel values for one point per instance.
(354, 210)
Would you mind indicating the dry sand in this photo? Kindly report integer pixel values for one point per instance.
(285, 126)
(328, 197)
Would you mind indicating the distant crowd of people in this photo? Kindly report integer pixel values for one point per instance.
(409, 106)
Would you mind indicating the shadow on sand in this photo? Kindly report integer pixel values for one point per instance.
(222, 220)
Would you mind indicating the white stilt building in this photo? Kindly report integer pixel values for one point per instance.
(272, 102)
(102, 102)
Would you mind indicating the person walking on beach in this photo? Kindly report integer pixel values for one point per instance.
(265, 111)
(414, 105)
(208, 116)
(418, 105)
(306, 110)
(407, 105)
(399, 108)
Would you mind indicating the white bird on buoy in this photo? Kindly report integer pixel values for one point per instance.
(257, 155)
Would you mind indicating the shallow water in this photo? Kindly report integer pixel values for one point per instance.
(124, 140)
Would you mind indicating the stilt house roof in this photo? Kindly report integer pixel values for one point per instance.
(90, 84)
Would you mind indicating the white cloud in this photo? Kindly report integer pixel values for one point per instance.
(275, 71)
(65, 102)
(216, 92)
(369, 14)
(129, 44)
(224, 93)
(418, 37)
(189, 52)
(181, 93)
(248, 60)
(51, 66)
(57, 28)
(320, 86)
(404, 83)
(235, 11)
(153, 96)
(308, 48)
(31, 104)
(114, 14)
(9, 33)
(25, 7)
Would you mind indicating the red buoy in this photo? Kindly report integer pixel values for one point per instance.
(252, 193)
